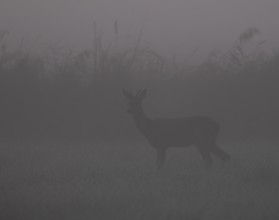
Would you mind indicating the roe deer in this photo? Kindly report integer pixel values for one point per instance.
(163, 133)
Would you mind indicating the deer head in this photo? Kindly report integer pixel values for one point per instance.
(134, 101)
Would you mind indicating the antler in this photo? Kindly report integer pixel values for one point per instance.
(130, 94)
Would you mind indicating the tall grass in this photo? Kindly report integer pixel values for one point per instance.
(77, 94)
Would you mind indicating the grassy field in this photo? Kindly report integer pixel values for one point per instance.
(118, 181)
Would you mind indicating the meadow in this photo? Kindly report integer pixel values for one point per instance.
(120, 181)
(69, 150)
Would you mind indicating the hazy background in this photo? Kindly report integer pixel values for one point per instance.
(69, 150)
(64, 63)
(172, 27)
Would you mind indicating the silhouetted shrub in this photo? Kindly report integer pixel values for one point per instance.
(81, 97)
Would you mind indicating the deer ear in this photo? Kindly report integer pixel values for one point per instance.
(128, 95)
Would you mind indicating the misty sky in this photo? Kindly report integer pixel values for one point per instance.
(179, 26)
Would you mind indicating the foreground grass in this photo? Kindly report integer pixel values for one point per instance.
(119, 181)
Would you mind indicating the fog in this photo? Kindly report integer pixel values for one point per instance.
(173, 27)
(132, 110)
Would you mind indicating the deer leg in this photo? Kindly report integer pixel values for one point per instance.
(218, 152)
(161, 157)
(206, 157)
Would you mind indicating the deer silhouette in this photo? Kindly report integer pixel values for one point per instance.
(163, 133)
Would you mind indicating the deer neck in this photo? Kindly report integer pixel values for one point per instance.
(141, 120)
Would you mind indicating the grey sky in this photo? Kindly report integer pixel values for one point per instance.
(171, 25)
